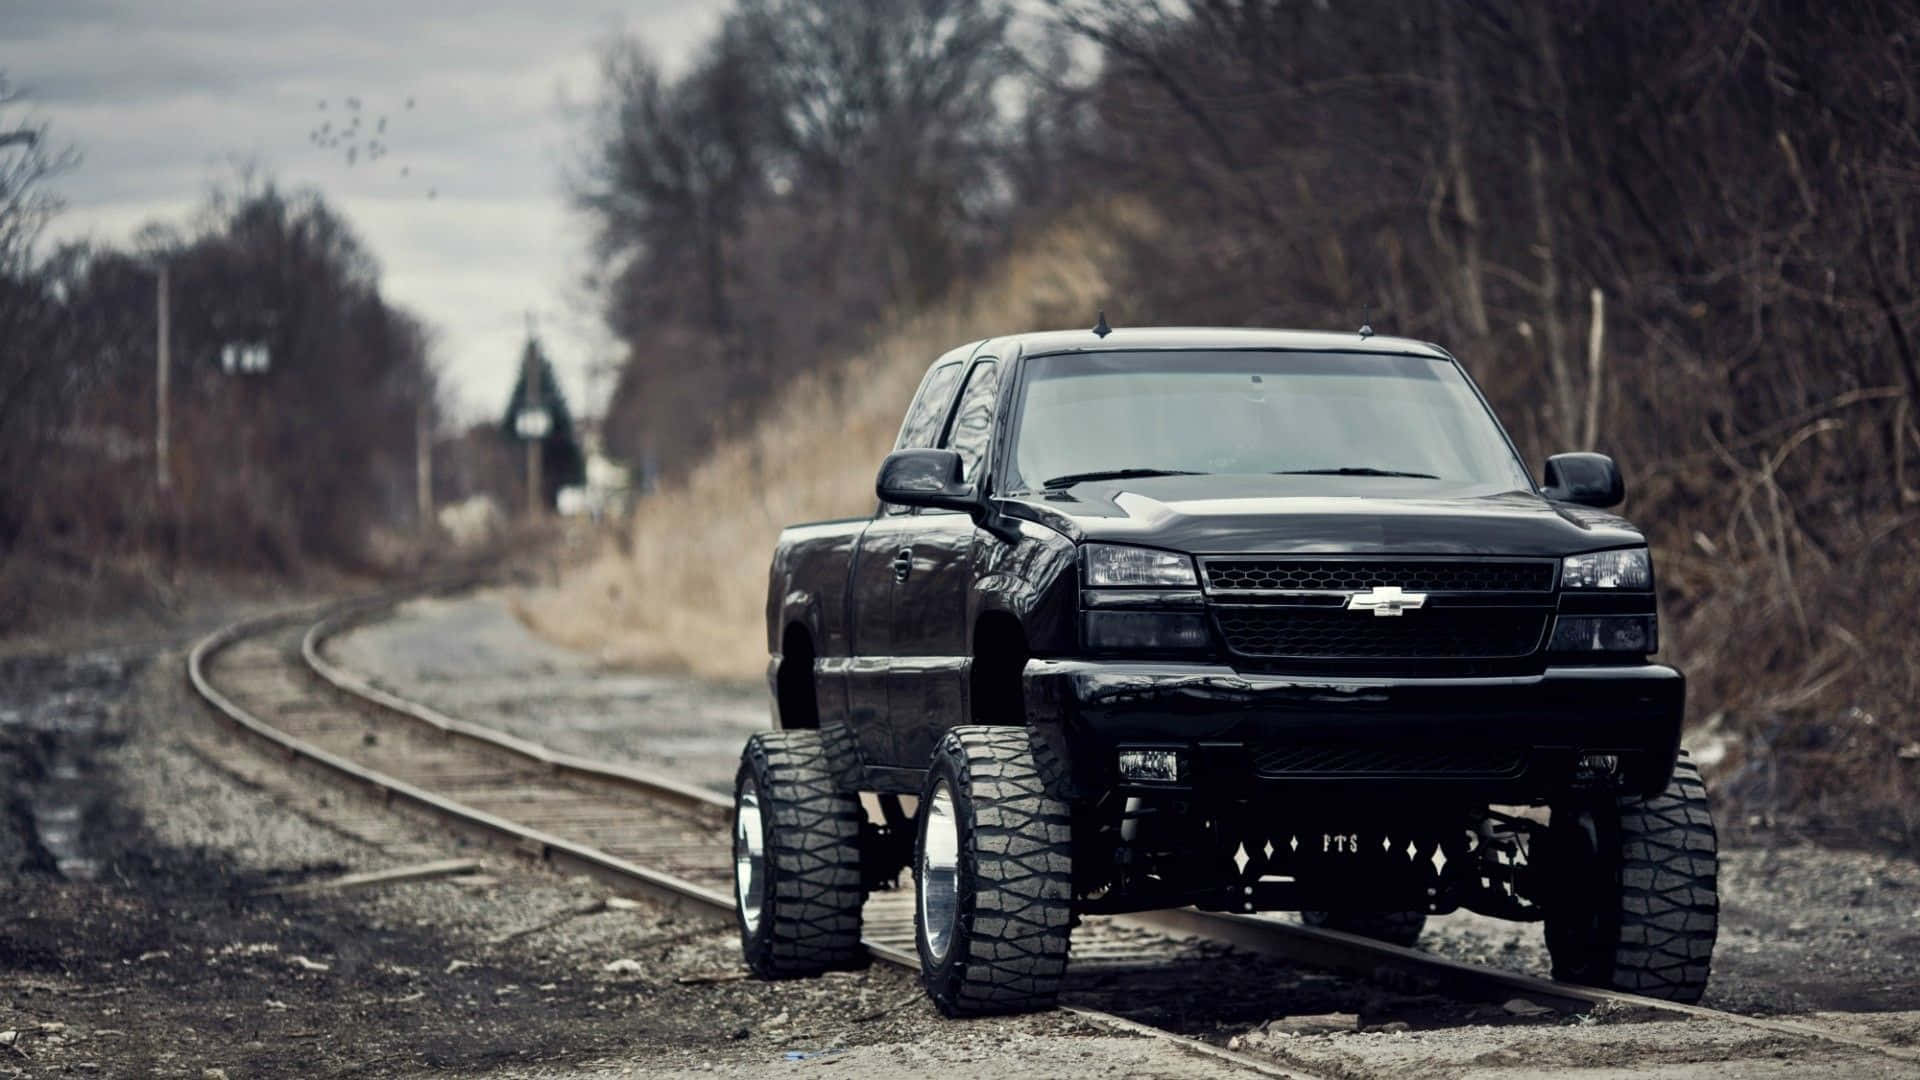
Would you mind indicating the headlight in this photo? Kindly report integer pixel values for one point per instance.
(1145, 631)
(1605, 633)
(1629, 569)
(1113, 565)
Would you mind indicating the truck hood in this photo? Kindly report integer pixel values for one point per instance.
(1216, 515)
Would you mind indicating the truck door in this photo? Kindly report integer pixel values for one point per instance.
(928, 684)
(881, 565)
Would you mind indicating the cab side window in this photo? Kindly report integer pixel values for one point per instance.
(923, 421)
(928, 412)
(972, 425)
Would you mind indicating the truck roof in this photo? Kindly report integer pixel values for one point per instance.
(1208, 337)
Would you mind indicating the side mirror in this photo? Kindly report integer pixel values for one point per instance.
(1587, 479)
(934, 478)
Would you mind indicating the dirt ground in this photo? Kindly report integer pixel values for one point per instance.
(139, 935)
(149, 946)
(1802, 928)
(469, 656)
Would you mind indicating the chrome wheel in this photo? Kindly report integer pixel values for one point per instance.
(993, 913)
(938, 871)
(749, 856)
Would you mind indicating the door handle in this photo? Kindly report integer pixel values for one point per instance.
(902, 564)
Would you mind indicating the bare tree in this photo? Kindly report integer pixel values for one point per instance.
(820, 167)
(1733, 184)
(35, 394)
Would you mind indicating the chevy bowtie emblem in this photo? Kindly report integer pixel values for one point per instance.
(1386, 600)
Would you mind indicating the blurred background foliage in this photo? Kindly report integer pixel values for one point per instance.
(268, 469)
(1679, 233)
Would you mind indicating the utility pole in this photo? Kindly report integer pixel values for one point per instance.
(534, 401)
(423, 467)
(163, 364)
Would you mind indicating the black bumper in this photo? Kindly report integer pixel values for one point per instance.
(1496, 739)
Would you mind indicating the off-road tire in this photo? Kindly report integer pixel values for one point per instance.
(1400, 928)
(1634, 902)
(809, 919)
(844, 762)
(1008, 951)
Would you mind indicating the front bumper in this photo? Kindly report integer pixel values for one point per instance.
(1502, 739)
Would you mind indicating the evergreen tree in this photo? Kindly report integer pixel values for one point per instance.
(561, 462)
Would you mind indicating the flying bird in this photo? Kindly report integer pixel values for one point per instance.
(366, 144)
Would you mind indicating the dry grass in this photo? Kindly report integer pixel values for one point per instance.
(690, 593)
(1801, 655)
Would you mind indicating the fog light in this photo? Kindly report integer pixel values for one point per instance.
(1605, 633)
(1159, 766)
(1593, 768)
(1145, 631)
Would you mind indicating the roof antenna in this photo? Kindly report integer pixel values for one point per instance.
(1366, 323)
(1100, 327)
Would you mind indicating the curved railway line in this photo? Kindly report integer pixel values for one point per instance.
(649, 834)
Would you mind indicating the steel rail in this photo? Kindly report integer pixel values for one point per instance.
(651, 784)
(560, 853)
(1330, 950)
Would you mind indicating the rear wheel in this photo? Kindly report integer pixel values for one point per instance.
(796, 859)
(1635, 900)
(1400, 928)
(993, 876)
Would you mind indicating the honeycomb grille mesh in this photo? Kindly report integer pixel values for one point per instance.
(1351, 760)
(1466, 575)
(1461, 634)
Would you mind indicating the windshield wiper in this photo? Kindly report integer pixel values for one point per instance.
(1071, 479)
(1354, 470)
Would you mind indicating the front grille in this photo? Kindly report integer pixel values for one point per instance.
(1367, 760)
(1413, 575)
(1270, 631)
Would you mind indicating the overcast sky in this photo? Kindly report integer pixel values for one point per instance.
(162, 97)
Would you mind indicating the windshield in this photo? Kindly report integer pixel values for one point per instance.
(1351, 418)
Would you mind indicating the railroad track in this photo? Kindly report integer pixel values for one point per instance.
(644, 833)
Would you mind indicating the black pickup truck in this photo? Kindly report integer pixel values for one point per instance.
(1246, 620)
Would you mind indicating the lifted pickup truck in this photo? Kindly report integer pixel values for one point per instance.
(1245, 620)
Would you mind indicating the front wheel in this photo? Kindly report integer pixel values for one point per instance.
(1634, 902)
(796, 859)
(993, 877)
